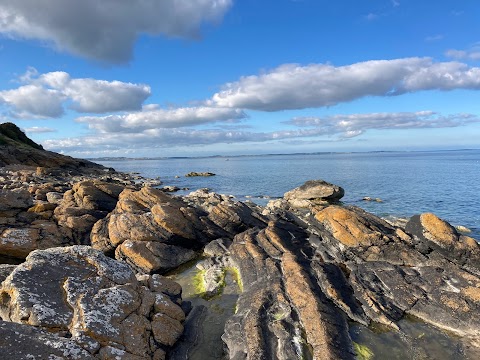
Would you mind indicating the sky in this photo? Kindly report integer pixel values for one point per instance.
(154, 78)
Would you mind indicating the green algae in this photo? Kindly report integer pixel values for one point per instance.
(362, 352)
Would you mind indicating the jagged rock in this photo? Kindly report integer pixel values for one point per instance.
(98, 302)
(18, 242)
(437, 234)
(313, 192)
(353, 233)
(281, 301)
(83, 205)
(154, 232)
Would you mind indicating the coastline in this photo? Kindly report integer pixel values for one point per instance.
(305, 243)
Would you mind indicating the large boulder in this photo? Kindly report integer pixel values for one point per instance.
(314, 192)
(435, 233)
(15, 199)
(83, 205)
(154, 232)
(96, 302)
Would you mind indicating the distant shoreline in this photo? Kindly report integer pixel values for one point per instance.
(124, 158)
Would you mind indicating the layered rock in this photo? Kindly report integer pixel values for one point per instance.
(154, 232)
(85, 204)
(92, 303)
(282, 307)
(314, 192)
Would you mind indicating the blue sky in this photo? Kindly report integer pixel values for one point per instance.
(204, 77)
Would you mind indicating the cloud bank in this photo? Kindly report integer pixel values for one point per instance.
(161, 118)
(105, 30)
(138, 136)
(45, 96)
(292, 86)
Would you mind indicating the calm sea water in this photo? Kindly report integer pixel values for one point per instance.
(446, 183)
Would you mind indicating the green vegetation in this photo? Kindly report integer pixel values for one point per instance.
(199, 283)
(236, 275)
(362, 352)
(10, 134)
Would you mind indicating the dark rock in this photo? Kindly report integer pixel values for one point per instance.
(17, 148)
(434, 233)
(98, 302)
(21, 342)
(193, 174)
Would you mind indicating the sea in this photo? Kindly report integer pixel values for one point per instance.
(446, 183)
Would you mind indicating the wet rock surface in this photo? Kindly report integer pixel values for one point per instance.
(298, 274)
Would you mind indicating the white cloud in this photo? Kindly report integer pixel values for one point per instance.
(33, 101)
(106, 30)
(45, 95)
(38, 130)
(338, 127)
(161, 118)
(473, 53)
(356, 124)
(293, 86)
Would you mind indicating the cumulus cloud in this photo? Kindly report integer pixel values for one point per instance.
(292, 86)
(105, 30)
(161, 118)
(44, 96)
(34, 100)
(338, 127)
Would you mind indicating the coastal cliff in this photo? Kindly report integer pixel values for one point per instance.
(88, 259)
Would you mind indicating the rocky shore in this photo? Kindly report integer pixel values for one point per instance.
(86, 257)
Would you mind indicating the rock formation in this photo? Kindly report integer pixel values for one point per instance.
(95, 302)
(308, 268)
(17, 148)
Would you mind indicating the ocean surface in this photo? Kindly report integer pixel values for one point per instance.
(446, 183)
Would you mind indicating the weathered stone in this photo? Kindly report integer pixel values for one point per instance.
(18, 242)
(278, 290)
(5, 270)
(166, 330)
(437, 234)
(349, 228)
(22, 342)
(15, 199)
(83, 205)
(150, 256)
(314, 190)
(97, 300)
(165, 285)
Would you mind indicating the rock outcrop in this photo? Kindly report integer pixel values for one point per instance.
(90, 302)
(312, 193)
(306, 267)
(17, 148)
(85, 204)
(155, 232)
